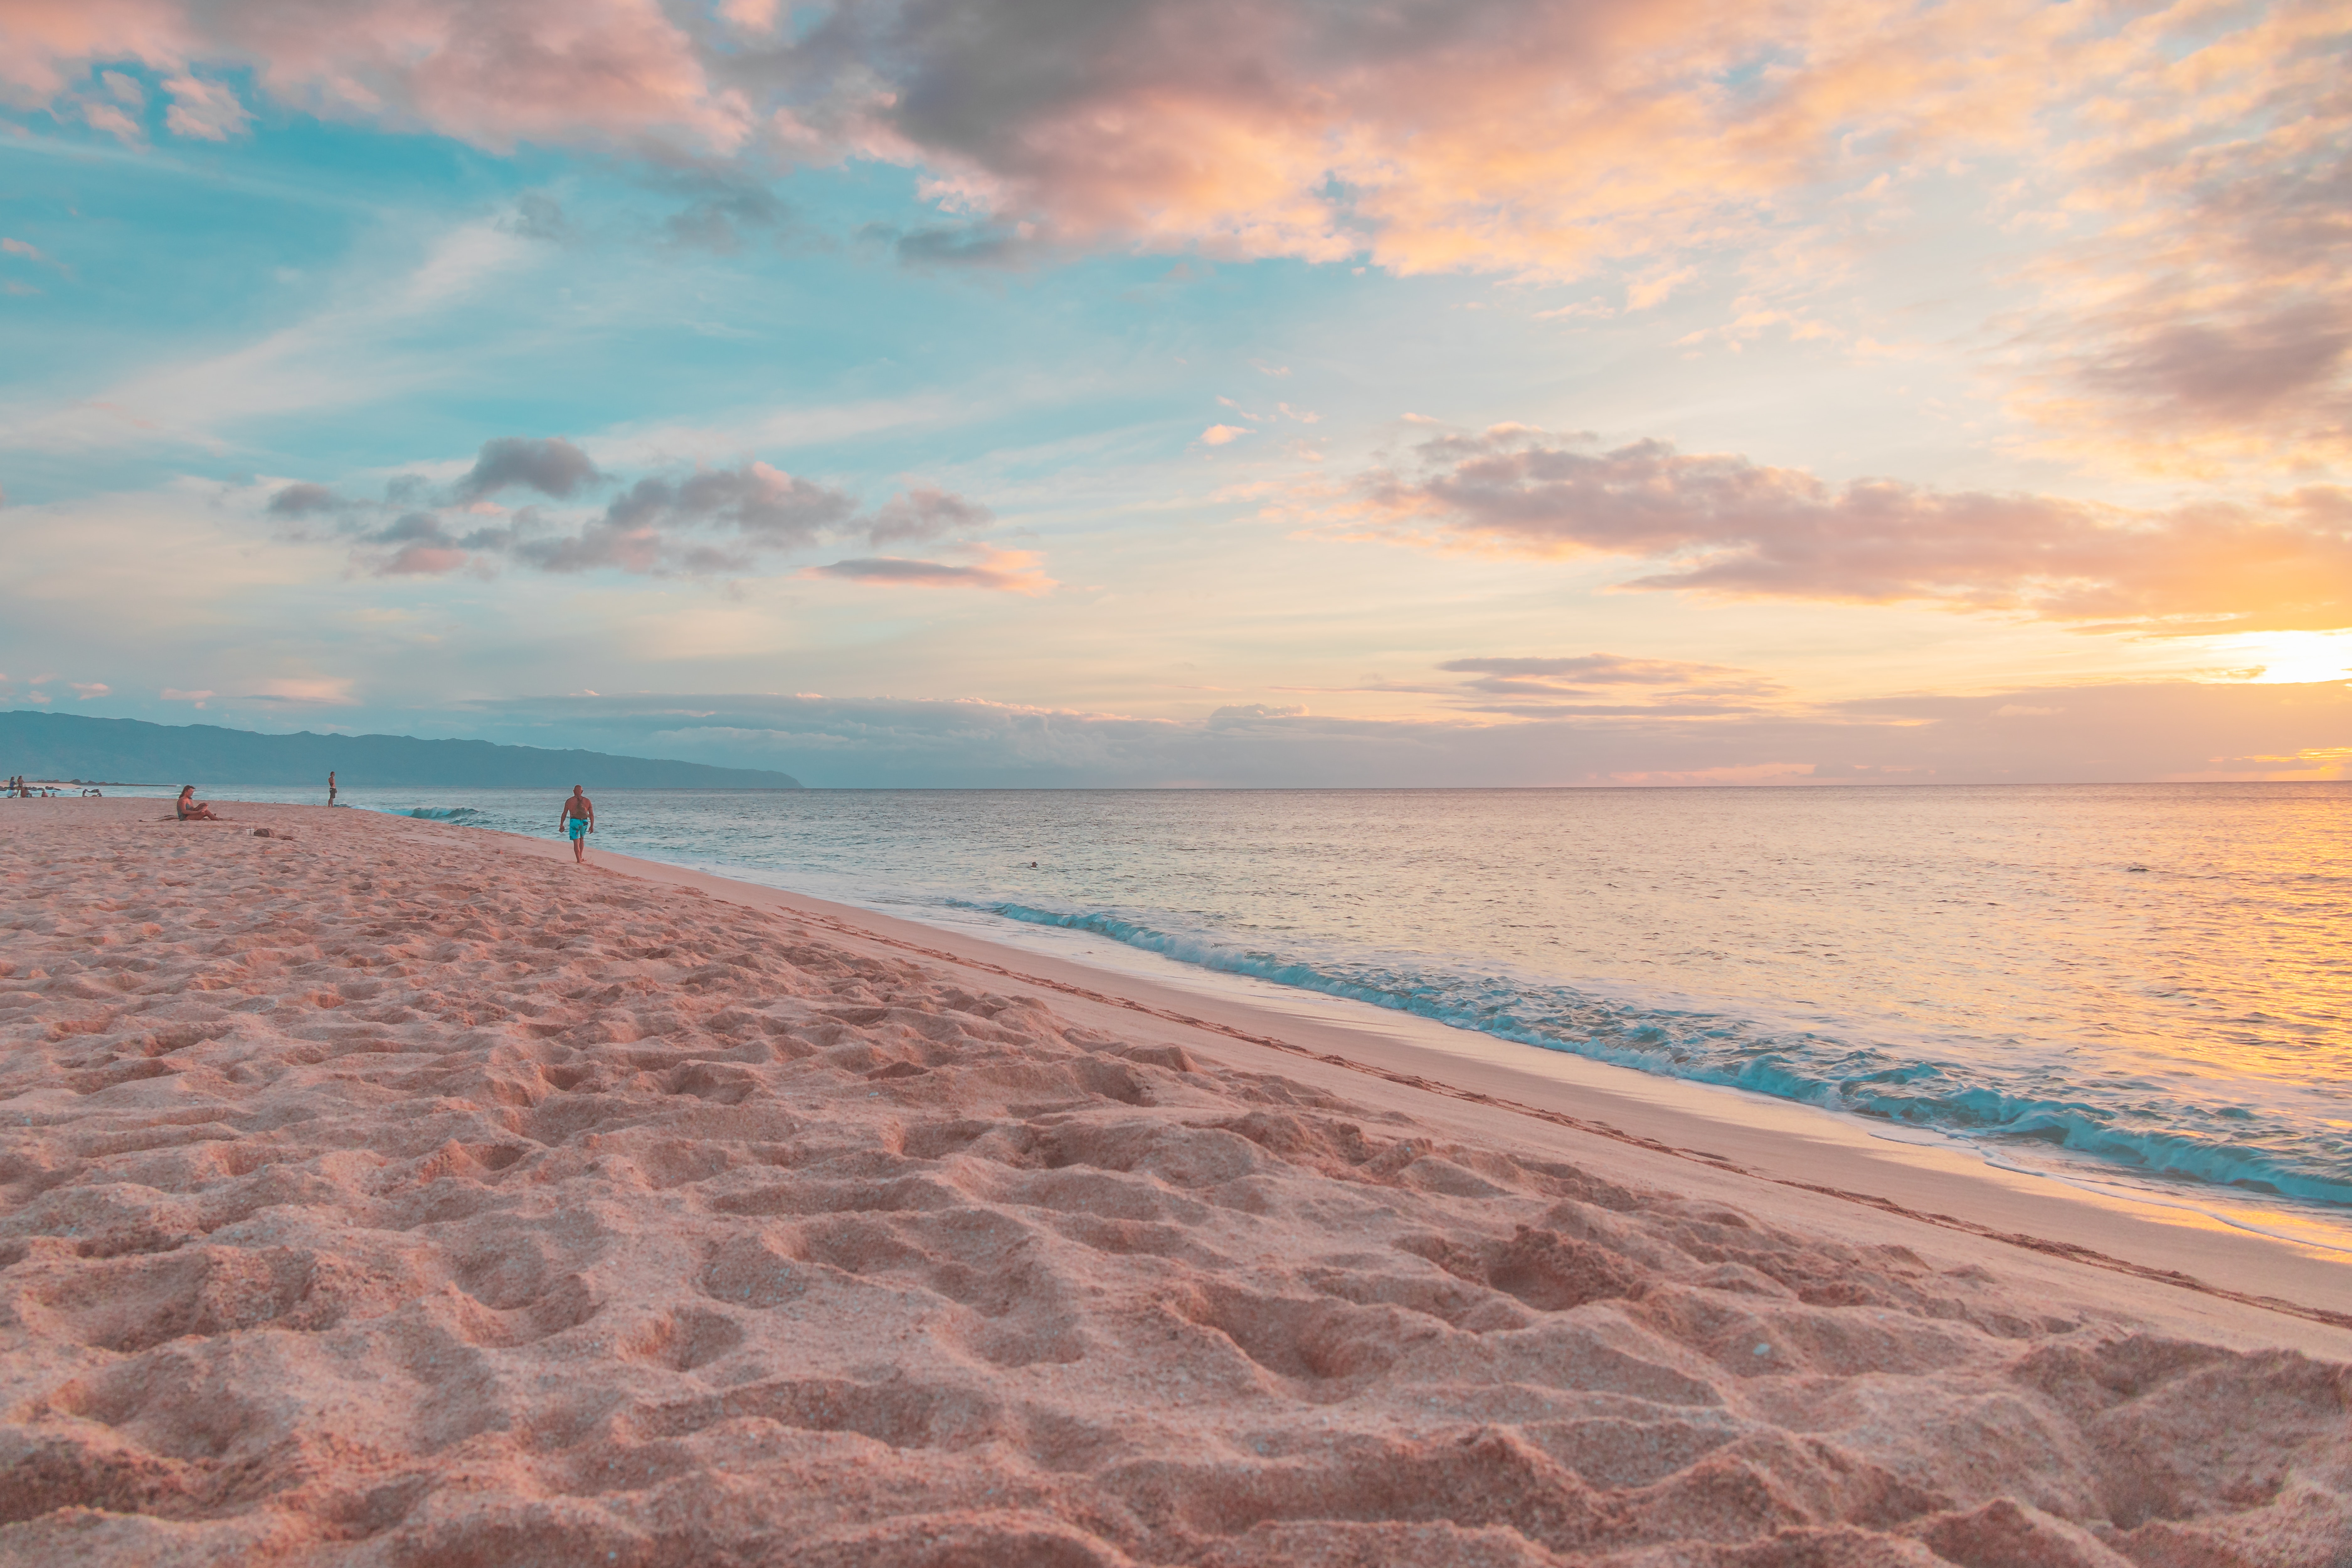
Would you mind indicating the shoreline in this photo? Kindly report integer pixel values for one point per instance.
(2201, 1192)
(1779, 1142)
(2310, 1226)
(379, 1192)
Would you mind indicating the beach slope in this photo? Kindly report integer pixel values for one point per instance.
(385, 1192)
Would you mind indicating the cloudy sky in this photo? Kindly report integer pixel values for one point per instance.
(1037, 391)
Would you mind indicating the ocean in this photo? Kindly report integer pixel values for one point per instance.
(2140, 986)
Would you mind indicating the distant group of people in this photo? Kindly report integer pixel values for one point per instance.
(18, 789)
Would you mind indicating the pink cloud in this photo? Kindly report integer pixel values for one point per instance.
(495, 73)
(207, 111)
(1722, 524)
(314, 692)
(423, 561)
(114, 123)
(46, 45)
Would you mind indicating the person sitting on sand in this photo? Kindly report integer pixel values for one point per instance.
(579, 819)
(191, 809)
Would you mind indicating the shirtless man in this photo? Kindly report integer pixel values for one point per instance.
(579, 819)
(331, 786)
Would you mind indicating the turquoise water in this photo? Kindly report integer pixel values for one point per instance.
(2146, 981)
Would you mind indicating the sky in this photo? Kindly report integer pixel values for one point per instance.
(1036, 392)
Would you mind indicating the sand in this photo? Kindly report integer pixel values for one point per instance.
(384, 1191)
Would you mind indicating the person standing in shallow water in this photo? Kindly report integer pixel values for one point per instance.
(331, 786)
(579, 819)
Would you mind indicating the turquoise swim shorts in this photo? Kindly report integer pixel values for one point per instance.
(578, 824)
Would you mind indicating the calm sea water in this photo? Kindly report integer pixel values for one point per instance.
(2146, 981)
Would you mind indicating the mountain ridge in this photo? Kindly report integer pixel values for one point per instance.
(135, 751)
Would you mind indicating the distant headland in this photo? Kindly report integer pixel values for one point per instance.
(67, 745)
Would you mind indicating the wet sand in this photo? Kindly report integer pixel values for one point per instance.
(396, 1193)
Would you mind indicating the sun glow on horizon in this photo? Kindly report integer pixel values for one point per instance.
(2289, 659)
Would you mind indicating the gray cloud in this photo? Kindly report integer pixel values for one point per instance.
(963, 245)
(2225, 371)
(717, 221)
(538, 215)
(1722, 524)
(410, 528)
(1017, 575)
(300, 500)
(712, 521)
(548, 465)
(1554, 686)
(921, 514)
(661, 524)
(2220, 323)
(938, 246)
(772, 507)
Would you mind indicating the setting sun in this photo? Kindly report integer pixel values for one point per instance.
(2294, 657)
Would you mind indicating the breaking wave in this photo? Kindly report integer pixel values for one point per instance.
(1825, 1066)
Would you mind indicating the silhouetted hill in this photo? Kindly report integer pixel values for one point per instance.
(67, 745)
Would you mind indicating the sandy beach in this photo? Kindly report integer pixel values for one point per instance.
(391, 1193)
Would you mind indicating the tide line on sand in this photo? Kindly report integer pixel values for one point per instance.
(379, 1192)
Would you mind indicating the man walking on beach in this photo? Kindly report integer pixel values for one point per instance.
(579, 819)
(331, 786)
